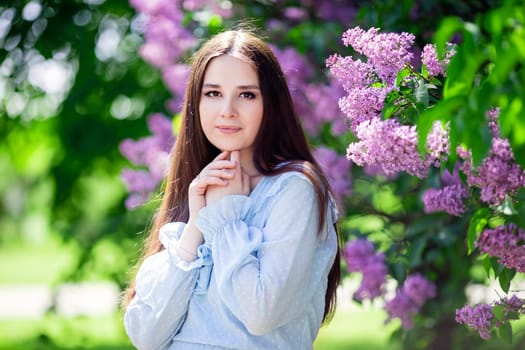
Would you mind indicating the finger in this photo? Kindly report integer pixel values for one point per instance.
(223, 155)
(221, 173)
(220, 164)
(234, 156)
(212, 180)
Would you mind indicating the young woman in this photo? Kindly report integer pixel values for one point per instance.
(243, 253)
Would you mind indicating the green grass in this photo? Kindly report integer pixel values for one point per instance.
(35, 264)
(356, 328)
(55, 332)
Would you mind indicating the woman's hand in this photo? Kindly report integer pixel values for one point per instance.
(217, 174)
(239, 183)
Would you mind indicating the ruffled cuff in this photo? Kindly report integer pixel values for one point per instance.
(229, 209)
(169, 236)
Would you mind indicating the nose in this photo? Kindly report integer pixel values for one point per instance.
(229, 108)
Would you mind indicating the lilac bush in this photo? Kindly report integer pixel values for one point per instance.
(384, 96)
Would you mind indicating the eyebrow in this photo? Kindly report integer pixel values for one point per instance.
(242, 87)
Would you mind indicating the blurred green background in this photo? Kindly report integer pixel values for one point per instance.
(72, 87)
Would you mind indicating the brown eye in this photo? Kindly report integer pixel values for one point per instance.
(248, 95)
(212, 93)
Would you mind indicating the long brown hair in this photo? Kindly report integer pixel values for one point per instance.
(280, 138)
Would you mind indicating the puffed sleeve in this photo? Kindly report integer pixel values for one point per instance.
(164, 285)
(262, 272)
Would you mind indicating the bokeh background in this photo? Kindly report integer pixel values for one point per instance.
(82, 99)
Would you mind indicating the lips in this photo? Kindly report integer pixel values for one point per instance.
(226, 129)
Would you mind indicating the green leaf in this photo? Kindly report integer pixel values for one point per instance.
(505, 277)
(443, 111)
(487, 265)
(499, 312)
(402, 74)
(421, 93)
(505, 332)
(496, 221)
(416, 251)
(477, 224)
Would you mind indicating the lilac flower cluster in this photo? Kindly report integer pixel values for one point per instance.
(498, 175)
(449, 198)
(360, 256)
(385, 145)
(481, 317)
(152, 154)
(393, 147)
(409, 299)
(435, 66)
(387, 53)
(315, 103)
(507, 243)
(337, 170)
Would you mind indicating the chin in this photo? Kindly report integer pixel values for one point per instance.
(228, 148)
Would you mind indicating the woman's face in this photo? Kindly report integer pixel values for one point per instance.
(231, 105)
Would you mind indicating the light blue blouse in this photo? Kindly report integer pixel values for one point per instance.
(258, 282)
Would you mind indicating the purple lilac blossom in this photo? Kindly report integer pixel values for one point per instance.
(385, 145)
(449, 198)
(337, 170)
(430, 59)
(364, 101)
(498, 175)
(315, 103)
(360, 256)
(481, 317)
(478, 317)
(388, 53)
(507, 243)
(434, 65)
(295, 13)
(175, 77)
(324, 108)
(389, 144)
(151, 153)
(409, 299)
